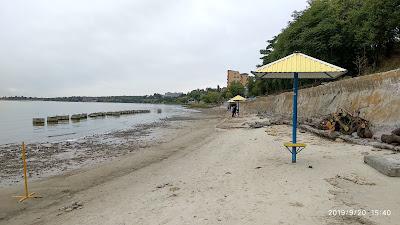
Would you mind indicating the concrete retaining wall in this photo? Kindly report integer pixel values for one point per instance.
(376, 96)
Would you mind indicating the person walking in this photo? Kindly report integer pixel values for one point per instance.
(234, 110)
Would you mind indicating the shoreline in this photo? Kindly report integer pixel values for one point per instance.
(51, 158)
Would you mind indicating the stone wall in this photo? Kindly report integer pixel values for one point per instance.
(376, 96)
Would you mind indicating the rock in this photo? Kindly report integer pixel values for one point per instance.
(173, 189)
(79, 203)
(339, 140)
(46, 145)
(73, 206)
(310, 167)
(163, 185)
(386, 164)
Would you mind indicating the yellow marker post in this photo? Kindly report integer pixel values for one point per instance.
(27, 194)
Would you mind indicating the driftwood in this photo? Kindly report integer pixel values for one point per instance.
(396, 132)
(333, 135)
(318, 127)
(323, 133)
(346, 123)
(390, 138)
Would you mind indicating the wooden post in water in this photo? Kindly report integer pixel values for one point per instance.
(27, 194)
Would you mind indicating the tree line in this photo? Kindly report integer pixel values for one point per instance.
(208, 96)
(359, 35)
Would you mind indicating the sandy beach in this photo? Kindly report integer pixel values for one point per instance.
(213, 169)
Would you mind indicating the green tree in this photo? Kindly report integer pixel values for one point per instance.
(348, 33)
(212, 97)
(236, 88)
(251, 86)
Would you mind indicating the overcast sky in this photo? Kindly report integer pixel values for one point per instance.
(131, 47)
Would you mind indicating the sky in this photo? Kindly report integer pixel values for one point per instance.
(52, 48)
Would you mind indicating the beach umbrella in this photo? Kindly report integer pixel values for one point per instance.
(237, 99)
(298, 66)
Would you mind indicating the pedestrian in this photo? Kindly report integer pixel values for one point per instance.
(234, 110)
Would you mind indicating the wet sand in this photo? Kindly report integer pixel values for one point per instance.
(54, 158)
(215, 170)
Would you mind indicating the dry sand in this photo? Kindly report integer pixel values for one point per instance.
(213, 171)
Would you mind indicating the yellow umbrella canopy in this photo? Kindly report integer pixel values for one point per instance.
(237, 98)
(305, 66)
(230, 101)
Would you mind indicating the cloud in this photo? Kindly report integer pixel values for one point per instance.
(116, 47)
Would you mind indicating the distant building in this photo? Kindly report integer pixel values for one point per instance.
(238, 77)
(173, 94)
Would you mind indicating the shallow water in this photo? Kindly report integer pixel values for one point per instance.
(16, 119)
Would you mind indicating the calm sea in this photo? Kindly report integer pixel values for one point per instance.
(16, 119)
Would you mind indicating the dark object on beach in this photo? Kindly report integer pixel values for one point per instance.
(258, 167)
(310, 166)
(390, 138)
(159, 110)
(364, 132)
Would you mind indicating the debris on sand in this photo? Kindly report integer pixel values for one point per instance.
(72, 206)
(259, 124)
(352, 178)
(342, 126)
(173, 189)
(347, 123)
(163, 185)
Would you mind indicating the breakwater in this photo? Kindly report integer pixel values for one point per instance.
(84, 116)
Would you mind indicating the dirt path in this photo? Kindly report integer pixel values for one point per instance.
(222, 176)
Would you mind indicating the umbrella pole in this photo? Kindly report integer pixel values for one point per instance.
(295, 93)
